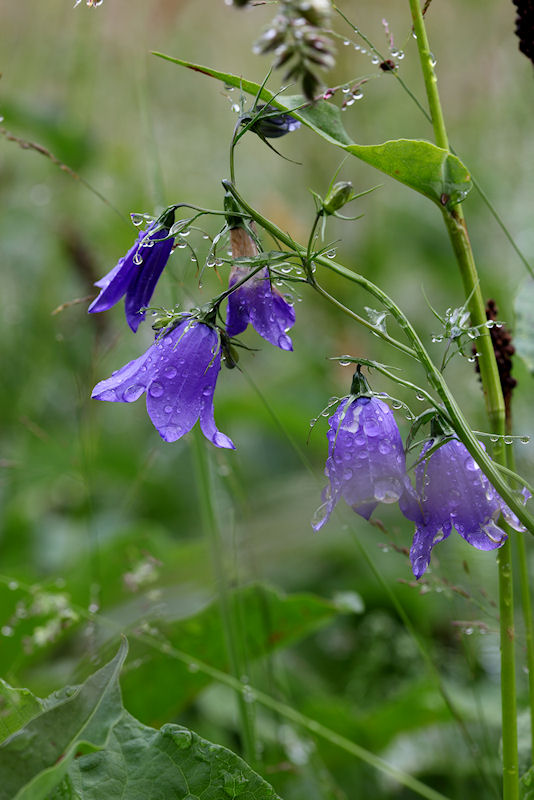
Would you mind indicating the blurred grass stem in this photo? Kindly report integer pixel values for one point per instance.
(210, 521)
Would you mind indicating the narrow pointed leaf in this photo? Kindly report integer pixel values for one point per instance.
(428, 169)
(35, 759)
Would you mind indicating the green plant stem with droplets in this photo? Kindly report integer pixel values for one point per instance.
(457, 229)
(211, 525)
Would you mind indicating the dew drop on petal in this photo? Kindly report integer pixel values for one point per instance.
(156, 389)
(133, 392)
(167, 409)
(384, 447)
(371, 427)
(169, 372)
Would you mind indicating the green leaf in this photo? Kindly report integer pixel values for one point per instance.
(428, 169)
(170, 764)
(524, 323)
(35, 759)
(17, 707)
(526, 785)
(268, 620)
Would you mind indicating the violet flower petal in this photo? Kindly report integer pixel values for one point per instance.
(257, 302)
(136, 281)
(178, 372)
(453, 491)
(366, 463)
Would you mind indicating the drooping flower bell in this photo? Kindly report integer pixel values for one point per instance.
(452, 491)
(256, 301)
(178, 373)
(366, 464)
(136, 274)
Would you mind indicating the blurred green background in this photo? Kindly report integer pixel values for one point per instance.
(101, 523)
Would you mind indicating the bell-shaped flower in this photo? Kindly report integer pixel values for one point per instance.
(452, 491)
(135, 275)
(255, 300)
(366, 463)
(178, 373)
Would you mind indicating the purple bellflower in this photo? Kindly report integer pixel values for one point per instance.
(452, 491)
(135, 275)
(178, 373)
(256, 301)
(366, 463)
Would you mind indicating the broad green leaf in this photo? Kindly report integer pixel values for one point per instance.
(17, 707)
(35, 759)
(172, 763)
(428, 169)
(524, 323)
(268, 620)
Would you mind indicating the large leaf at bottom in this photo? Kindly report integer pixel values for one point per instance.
(428, 169)
(173, 763)
(34, 759)
(158, 686)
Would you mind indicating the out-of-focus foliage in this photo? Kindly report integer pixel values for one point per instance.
(100, 524)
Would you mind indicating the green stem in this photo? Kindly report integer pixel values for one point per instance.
(526, 604)
(455, 223)
(508, 690)
(211, 525)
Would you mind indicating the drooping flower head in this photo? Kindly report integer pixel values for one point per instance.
(268, 124)
(178, 373)
(452, 491)
(366, 463)
(256, 301)
(136, 274)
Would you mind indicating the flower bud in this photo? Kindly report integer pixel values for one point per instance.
(337, 197)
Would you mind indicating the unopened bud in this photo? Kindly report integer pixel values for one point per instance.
(337, 197)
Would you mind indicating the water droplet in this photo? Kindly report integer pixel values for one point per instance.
(371, 427)
(346, 42)
(345, 89)
(236, 108)
(331, 254)
(167, 409)
(432, 59)
(13, 585)
(375, 60)
(133, 392)
(357, 95)
(7, 631)
(508, 440)
(312, 422)
(384, 447)
(400, 55)
(471, 359)
(181, 245)
(156, 389)
(396, 404)
(471, 465)
(437, 339)
(419, 396)
(494, 439)
(137, 259)
(525, 439)
(169, 372)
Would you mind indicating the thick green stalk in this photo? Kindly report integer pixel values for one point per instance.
(526, 605)
(489, 374)
(212, 529)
